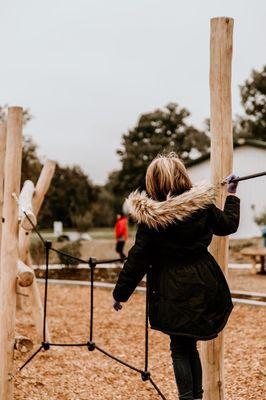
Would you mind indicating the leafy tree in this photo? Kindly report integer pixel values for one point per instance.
(103, 208)
(71, 194)
(160, 131)
(31, 165)
(261, 218)
(253, 99)
(82, 222)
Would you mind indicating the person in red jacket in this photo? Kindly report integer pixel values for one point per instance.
(121, 234)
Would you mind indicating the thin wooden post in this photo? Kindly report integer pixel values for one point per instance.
(2, 164)
(41, 189)
(25, 201)
(221, 46)
(9, 250)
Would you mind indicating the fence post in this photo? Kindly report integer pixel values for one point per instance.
(9, 250)
(2, 165)
(221, 45)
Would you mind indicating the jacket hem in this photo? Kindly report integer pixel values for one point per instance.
(198, 337)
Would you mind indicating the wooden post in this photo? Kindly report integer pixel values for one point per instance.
(2, 163)
(26, 222)
(41, 189)
(221, 45)
(25, 201)
(37, 307)
(9, 250)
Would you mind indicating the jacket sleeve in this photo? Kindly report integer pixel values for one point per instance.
(135, 267)
(226, 221)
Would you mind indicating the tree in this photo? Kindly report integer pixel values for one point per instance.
(71, 194)
(160, 131)
(103, 209)
(253, 99)
(31, 165)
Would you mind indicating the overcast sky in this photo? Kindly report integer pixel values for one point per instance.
(88, 68)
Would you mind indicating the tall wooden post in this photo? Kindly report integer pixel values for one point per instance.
(2, 165)
(221, 45)
(9, 250)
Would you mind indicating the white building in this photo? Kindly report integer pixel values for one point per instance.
(249, 158)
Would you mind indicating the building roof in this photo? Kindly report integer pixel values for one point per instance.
(241, 142)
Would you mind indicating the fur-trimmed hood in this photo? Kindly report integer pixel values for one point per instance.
(159, 214)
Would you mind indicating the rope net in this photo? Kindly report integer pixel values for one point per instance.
(90, 344)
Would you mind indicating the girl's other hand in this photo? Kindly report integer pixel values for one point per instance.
(117, 306)
(231, 185)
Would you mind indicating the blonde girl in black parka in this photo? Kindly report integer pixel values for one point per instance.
(189, 296)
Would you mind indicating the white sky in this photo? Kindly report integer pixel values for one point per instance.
(88, 68)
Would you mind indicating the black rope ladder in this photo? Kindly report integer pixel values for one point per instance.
(90, 344)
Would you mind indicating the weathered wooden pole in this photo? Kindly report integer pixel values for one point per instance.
(9, 250)
(25, 202)
(2, 164)
(41, 189)
(221, 46)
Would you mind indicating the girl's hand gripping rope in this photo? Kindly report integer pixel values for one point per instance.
(231, 184)
(117, 306)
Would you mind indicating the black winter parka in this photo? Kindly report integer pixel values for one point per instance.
(188, 293)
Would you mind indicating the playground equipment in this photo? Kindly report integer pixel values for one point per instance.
(15, 263)
(15, 246)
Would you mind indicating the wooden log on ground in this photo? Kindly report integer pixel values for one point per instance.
(2, 163)
(9, 250)
(221, 45)
(23, 344)
(25, 274)
(25, 201)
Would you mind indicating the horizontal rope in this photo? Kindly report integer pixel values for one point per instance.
(68, 344)
(80, 260)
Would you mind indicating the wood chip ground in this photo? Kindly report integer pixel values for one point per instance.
(77, 374)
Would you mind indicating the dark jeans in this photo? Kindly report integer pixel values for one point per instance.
(120, 244)
(187, 367)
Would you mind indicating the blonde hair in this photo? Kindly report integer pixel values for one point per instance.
(167, 175)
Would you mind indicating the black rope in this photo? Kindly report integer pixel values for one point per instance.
(92, 265)
(147, 321)
(244, 178)
(68, 344)
(157, 389)
(34, 227)
(118, 360)
(80, 260)
(109, 261)
(47, 251)
(31, 358)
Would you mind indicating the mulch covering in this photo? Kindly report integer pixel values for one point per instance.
(77, 374)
